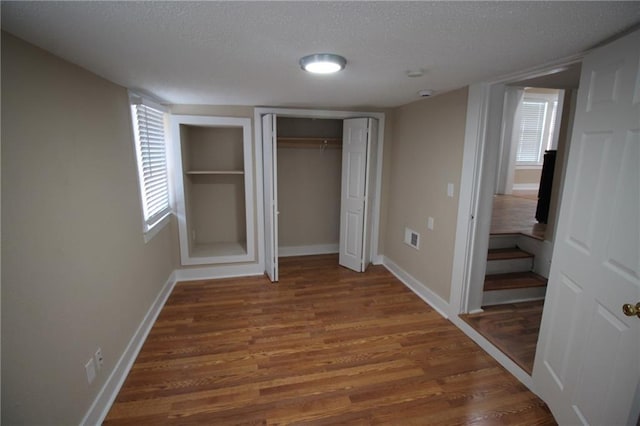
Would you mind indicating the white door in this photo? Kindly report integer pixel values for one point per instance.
(587, 365)
(354, 186)
(270, 164)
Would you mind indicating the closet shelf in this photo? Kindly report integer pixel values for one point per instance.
(304, 142)
(214, 172)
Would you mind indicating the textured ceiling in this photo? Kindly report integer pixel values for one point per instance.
(246, 53)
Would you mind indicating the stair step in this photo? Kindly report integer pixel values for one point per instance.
(513, 280)
(507, 254)
(503, 241)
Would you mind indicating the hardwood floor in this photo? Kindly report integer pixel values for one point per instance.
(325, 346)
(512, 328)
(516, 215)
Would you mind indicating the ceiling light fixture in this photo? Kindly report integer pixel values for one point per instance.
(415, 73)
(323, 63)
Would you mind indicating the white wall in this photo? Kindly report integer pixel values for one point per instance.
(76, 272)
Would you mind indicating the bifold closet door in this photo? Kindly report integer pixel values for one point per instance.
(353, 203)
(270, 164)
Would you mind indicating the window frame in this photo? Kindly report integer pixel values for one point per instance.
(152, 225)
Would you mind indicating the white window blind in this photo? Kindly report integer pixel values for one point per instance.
(532, 124)
(148, 123)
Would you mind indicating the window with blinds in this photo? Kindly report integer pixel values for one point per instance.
(532, 130)
(150, 144)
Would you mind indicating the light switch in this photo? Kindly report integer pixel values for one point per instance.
(450, 190)
(430, 223)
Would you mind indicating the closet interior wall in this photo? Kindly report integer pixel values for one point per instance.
(309, 184)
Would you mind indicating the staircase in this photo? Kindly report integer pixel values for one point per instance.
(509, 275)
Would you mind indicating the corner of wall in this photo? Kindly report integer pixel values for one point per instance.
(107, 395)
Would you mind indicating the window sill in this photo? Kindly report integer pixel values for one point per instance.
(156, 228)
(529, 166)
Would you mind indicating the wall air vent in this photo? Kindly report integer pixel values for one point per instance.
(412, 238)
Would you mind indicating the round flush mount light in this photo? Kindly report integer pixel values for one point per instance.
(323, 63)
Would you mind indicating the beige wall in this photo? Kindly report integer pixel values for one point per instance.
(425, 154)
(308, 184)
(527, 176)
(215, 204)
(309, 196)
(76, 272)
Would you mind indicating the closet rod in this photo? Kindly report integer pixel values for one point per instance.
(318, 143)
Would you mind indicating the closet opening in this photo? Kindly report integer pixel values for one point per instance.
(320, 185)
(309, 162)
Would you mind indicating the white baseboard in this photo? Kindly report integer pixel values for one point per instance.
(421, 290)
(223, 271)
(101, 405)
(308, 250)
(526, 187)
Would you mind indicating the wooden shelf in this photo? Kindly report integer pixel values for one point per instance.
(327, 143)
(215, 172)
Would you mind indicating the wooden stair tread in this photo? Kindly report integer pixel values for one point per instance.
(513, 280)
(507, 254)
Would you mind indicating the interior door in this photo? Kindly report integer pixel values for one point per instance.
(587, 365)
(372, 161)
(353, 195)
(270, 165)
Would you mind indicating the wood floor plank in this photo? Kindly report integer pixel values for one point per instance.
(513, 328)
(324, 346)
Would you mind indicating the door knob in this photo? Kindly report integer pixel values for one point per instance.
(631, 310)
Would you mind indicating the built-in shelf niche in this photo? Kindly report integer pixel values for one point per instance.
(214, 189)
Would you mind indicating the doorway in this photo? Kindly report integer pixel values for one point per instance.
(510, 257)
(370, 182)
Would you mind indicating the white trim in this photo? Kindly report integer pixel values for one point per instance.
(528, 167)
(547, 68)
(421, 290)
(103, 401)
(136, 98)
(526, 186)
(515, 295)
(308, 250)
(157, 227)
(214, 272)
(475, 133)
(258, 112)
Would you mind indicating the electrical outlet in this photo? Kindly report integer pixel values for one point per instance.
(90, 368)
(99, 359)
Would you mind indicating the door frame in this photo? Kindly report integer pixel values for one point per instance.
(483, 134)
(258, 112)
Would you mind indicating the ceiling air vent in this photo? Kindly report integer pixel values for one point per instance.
(412, 238)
